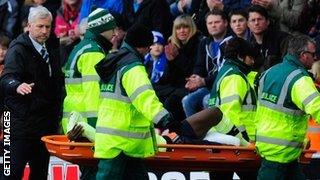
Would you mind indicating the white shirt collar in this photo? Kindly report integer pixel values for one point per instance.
(36, 45)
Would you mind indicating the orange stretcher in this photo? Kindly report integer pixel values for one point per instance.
(313, 134)
(177, 157)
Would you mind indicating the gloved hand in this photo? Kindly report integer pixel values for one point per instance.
(75, 133)
(245, 135)
(174, 126)
(167, 122)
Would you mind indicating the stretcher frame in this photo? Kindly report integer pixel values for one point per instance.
(176, 157)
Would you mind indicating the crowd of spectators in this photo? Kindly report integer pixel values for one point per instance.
(193, 35)
(290, 16)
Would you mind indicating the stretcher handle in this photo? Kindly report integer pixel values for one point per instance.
(48, 139)
(192, 146)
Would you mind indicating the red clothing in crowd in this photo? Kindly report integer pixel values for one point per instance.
(67, 20)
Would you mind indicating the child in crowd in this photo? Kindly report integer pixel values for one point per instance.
(238, 23)
(155, 60)
(4, 44)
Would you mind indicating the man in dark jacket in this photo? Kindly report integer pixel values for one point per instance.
(209, 61)
(271, 43)
(32, 85)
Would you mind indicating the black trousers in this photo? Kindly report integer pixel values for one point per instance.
(173, 103)
(23, 151)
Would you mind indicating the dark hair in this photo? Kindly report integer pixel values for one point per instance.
(239, 47)
(217, 13)
(260, 10)
(4, 41)
(139, 35)
(238, 12)
(119, 20)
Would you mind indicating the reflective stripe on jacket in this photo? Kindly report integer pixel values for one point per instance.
(287, 96)
(82, 80)
(128, 109)
(236, 98)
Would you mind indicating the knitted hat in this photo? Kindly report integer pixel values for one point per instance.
(158, 37)
(100, 20)
(139, 36)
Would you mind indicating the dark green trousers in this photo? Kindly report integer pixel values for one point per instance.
(122, 167)
(270, 170)
(88, 172)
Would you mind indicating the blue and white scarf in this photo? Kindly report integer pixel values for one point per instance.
(158, 67)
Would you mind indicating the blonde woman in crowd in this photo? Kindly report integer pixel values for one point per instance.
(181, 54)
